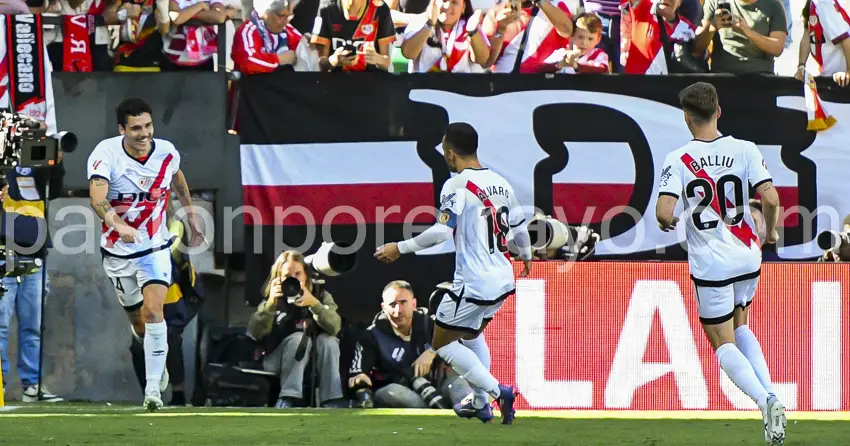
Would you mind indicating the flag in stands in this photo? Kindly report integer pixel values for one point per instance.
(819, 119)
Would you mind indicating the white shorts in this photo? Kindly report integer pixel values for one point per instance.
(466, 314)
(717, 304)
(130, 276)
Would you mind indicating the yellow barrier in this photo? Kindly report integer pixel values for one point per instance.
(2, 400)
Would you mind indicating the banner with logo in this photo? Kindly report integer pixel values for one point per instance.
(360, 156)
(25, 69)
(626, 335)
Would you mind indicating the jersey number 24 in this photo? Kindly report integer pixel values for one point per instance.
(497, 228)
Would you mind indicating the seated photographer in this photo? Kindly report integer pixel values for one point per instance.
(393, 358)
(22, 224)
(841, 252)
(284, 324)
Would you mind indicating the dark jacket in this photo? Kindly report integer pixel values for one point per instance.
(387, 358)
(24, 211)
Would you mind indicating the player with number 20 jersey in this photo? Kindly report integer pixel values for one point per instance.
(712, 175)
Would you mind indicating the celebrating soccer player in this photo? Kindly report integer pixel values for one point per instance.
(130, 179)
(478, 207)
(714, 172)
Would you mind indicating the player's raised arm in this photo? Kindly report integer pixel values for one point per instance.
(181, 188)
(669, 187)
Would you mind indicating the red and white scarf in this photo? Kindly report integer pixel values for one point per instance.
(454, 55)
(819, 119)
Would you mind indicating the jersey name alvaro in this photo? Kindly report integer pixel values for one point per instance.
(713, 179)
(138, 191)
(482, 208)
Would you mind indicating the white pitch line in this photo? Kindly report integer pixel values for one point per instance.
(561, 414)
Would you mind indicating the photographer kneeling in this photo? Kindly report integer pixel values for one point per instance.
(393, 358)
(284, 323)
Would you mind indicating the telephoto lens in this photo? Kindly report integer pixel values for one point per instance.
(363, 398)
(428, 393)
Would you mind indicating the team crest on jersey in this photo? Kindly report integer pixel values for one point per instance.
(367, 29)
(145, 182)
(813, 20)
(444, 217)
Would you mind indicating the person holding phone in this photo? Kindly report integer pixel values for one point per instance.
(364, 26)
(747, 34)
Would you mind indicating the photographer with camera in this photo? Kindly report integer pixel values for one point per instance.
(24, 232)
(393, 358)
(294, 311)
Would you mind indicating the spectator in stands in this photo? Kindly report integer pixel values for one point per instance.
(506, 26)
(192, 46)
(585, 56)
(142, 23)
(11, 7)
(395, 350)
(267, 42)
(448, 38)
(660, 43)
(64, 55)
(285, 328)
(746, 34)
(346, 45)
(826, 36)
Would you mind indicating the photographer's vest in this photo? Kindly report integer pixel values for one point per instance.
(25, 203)
(396, 350)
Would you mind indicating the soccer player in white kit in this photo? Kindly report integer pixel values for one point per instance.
(714, 174)
(130, 179)
(479, 209)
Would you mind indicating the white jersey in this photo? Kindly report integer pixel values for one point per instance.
(138, 191)
(481, 207)
(714, 180)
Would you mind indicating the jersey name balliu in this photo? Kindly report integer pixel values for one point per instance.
(482, 208)
(138, 191)
(713, 179)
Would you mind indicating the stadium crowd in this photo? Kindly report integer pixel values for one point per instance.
(462, 36)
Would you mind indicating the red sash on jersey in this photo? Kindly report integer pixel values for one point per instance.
(146, 220)
(744, 232)
(478, 192)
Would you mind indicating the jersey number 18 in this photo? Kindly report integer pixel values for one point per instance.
(497, 228)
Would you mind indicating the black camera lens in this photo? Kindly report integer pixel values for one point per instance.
(291, 288)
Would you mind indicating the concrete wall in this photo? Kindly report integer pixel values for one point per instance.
(86, 339)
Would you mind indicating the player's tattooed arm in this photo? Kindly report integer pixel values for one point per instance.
(98, 188)
(181, 188)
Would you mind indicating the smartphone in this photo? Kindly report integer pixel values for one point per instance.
(350, 48)
(724, 5)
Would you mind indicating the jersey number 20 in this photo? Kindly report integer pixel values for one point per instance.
(708, 195)
(497, 228)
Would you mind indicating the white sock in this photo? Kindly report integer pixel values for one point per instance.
(469, 367)
(749, 346)
(156, 349)
(741, 372)
(482, 350)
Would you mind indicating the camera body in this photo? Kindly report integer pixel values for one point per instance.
(13, 265)
(25, 143)
(835, 242)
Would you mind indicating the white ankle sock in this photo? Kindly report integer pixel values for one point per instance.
(741, 372)
(482, 351)
(749, 346)
(469, 367)
(156, 350)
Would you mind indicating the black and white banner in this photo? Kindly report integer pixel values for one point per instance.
(582, 148)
